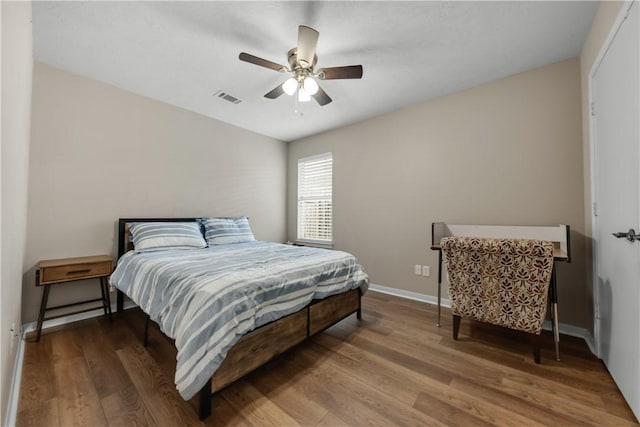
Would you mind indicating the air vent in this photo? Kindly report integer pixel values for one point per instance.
(229, 98)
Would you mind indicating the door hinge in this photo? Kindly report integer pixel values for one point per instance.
(595, 209)
(593, 108)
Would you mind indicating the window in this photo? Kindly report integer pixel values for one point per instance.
(315, 210)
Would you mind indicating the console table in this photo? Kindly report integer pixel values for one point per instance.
(559, 235)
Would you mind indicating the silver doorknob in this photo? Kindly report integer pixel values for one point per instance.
(629, 235)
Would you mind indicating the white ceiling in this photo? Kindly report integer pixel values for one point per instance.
(182, 53)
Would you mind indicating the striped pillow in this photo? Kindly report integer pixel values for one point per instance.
(166, 235)
(220, 231)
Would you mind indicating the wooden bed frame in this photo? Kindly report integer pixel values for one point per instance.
(266, 342)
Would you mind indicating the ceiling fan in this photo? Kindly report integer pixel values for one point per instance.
(301, 60)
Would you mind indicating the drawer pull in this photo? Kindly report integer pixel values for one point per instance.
(86, 270)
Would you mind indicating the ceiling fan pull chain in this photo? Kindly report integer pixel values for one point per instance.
(297, 104)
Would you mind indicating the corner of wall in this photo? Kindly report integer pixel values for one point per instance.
(17, 50)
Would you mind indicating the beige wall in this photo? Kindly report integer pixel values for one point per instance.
(99, 153)
(602, 24)
(508, 152)
(17, 72)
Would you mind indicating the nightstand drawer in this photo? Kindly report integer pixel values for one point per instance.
(73, 272)
(56, 271)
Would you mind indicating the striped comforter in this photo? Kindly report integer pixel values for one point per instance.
(206, 299)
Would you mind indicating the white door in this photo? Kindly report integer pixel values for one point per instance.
(616, 130)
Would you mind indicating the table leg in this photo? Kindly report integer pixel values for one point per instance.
(439, 285)
(556, 336)
(43, 309)
(554, 312)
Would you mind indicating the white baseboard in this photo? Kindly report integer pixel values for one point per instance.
(409, 295)
(16, 379)
(565, 329)
(31, 326)
(574, 331)
(14, 391)
(591, 343)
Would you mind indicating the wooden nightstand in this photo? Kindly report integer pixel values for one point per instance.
(54, 271)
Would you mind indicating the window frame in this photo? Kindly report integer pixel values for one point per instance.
(300, 239)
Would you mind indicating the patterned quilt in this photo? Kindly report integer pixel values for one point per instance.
(207, 299)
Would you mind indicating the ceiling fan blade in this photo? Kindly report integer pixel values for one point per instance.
(307, 41)
(348, 72)
(246, 57)
(321, 97)
(276, 92)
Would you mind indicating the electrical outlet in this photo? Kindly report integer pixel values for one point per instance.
(417, 269)
(426, 271)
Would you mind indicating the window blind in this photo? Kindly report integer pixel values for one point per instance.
(315, 210)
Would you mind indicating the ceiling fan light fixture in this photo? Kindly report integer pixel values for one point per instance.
(303, 77)
(290, 86)
(310, 86)
(303, 95)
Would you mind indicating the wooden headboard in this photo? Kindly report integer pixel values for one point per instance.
(124, 243)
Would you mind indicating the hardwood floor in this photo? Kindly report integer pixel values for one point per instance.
(395, 367)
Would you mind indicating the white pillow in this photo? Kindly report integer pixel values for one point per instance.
(221, 231)
(166, 235)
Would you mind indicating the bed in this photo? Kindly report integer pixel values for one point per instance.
(235, 304)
